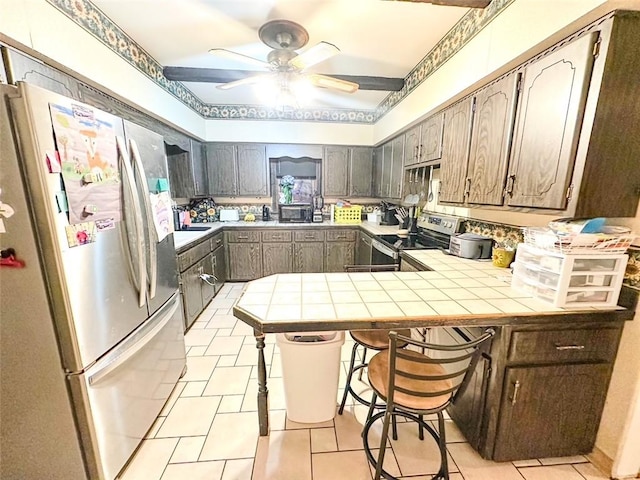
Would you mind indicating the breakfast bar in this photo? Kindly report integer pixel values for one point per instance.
(456, 292)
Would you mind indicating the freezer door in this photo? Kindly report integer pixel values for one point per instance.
(92, 287)
(148, 147)
(127, 388)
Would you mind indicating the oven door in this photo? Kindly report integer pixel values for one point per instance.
(382, 254)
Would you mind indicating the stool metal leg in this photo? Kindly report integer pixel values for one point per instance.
(349, 375)
(442, 443)
(364, 362)
(383, 443)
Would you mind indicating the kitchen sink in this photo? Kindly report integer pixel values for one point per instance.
(191, 228)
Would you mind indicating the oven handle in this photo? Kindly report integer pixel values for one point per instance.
(384, 249)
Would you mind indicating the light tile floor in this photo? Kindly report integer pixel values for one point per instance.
(209, 427)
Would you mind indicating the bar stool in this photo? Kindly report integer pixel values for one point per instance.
(413, 385)
(377, 340)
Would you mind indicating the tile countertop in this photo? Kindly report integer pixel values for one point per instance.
(183, 238)
(457, 292)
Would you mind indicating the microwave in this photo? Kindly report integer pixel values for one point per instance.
(295, 213)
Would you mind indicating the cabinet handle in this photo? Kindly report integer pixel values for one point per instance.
(218, 241)
(309, 237)
(467, 190)
(419, 152)
(511, 180)
(205, 277)
(569, 347)
(242, 237)
(516, 389)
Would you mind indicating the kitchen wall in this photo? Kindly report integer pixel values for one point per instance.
(39, 26)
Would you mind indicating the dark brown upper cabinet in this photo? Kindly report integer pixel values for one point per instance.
(423, 143)
(553, 94)
(455, 151)
(490, 141)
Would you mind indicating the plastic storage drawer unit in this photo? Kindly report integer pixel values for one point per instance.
(568, 280)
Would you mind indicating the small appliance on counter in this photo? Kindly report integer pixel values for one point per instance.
(229, 215)
(318, 204)
(295, 213)
(266, 214)
(469, 245)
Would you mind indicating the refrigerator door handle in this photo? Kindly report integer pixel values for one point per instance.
(129, 349)
(153, 249)
(139, 240)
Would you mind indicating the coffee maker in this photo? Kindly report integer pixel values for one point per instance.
(318, 204)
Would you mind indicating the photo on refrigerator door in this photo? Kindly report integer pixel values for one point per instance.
(86, 146)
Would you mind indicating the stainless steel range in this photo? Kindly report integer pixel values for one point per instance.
(434, 232)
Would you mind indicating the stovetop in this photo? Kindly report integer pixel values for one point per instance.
(434, 231)
(412, 242)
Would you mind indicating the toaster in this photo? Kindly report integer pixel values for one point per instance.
(469, 245)
(229, 215)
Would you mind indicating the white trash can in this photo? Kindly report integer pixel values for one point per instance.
(310, 371)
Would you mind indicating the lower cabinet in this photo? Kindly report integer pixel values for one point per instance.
(276, 258)
(219, 267)
(244, 255)
(202, 274)
(340, 249)
(558, 406)
(308, 251)
(546, 392)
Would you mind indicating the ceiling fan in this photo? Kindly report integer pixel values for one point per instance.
(283, 63)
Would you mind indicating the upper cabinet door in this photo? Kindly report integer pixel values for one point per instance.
(199, 167)
(221, 169)
(396, 175)
(378, 167)
(455, 151)
(412, 146)
(387, 158)
(252, 170)
(431, 138)
(490, 141)
(335, 172)
(548, 124)
(360, 173)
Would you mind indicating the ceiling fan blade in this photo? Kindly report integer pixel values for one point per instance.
(252, 80)
(325, 81)
(215, 75)
(455, 3)
(238, 57)
(316, 54)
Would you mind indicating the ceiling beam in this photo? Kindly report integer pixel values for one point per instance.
(215, 75)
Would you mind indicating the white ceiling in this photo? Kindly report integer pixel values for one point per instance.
(376, 38)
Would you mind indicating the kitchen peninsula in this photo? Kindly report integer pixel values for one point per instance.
(557, 362)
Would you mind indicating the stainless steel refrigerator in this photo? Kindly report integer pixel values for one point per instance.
(91, 335)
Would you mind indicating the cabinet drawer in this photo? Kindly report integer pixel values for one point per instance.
(276, 236)
(217, 241)
(341, 235)
(243, 237)
(309, 236)
(191, 256)
(598, 345)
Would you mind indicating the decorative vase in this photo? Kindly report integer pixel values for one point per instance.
(288, 195)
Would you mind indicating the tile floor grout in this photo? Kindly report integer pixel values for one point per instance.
(234, 451)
